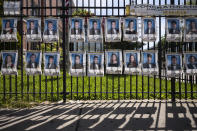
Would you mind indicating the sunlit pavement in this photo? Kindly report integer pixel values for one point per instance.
(103, 115)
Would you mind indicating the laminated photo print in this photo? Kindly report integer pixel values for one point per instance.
(130, 29)
(173, 64)
(113, 60)
(95, 64)
(33, 61)
(149, 62)
(131, 62)
(190, 30)
(11, 7)
(6, 7)
(9, 64)
(95, 33)
(17, 7)
(78, 63)
(149, 29)
(51, 64)
(112, 30)
(9, 30)
(173, 30)
(190, 61)
(77, 32)
(34, 30)
(51, 31)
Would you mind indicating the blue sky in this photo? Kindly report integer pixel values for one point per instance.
(122, 3)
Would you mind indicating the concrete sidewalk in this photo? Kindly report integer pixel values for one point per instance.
(103, 116)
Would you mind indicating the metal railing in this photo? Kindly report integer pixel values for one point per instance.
(40, 87)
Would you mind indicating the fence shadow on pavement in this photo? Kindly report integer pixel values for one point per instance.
(103, 115)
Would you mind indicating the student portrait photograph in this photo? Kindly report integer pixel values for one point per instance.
(50, 61)
(50, 27)
(113, 59)
(130, 26)
(131, 60)
(76, 26)
(32, 60)
(8, 26)
(112, 30)
(149, 26)
(173, 62)
(95, 62)
(9, 60)
(149, 60)
(94, 27)
(77, 61)
(112, 26)
(191, 61)
(191, 26)
(32, 27)
(173, 26)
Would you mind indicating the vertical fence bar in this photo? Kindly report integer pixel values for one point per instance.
(21, 33)
(160, 58)
(191, 78)
(51, 46)
(71, 90)
(166, 82)
(180, 77)
(131, 86)
(95, 88)
(45, 46)
(89, 87)
(85, 27)
(112, 87)
(16, 89)
(10, 90)
(101, 85)
(4, 89)
(142, 74)
(77, 87)
(52, 88)
(148, 74)
(65, 35)
(28, 87)
(40, 86)
(106, 86)
(83, 50)
(119, 88)
(124, 86)
(185, 49)
(173, 78)
(195, 51)
(83, 86)
(34, 89)
(40, 77)
(136, 74)
(156, 61)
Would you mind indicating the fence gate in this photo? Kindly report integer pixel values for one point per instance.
(53, 88)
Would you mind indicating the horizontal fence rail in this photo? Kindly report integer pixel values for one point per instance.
(54, 88)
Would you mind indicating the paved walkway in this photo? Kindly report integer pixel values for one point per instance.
(103, 116)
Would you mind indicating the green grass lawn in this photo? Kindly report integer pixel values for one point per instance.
(110, 83)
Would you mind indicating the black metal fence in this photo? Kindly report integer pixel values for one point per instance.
(40, 87)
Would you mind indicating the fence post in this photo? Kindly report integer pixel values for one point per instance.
(21, 33)
(64, 50)
(173, 78)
